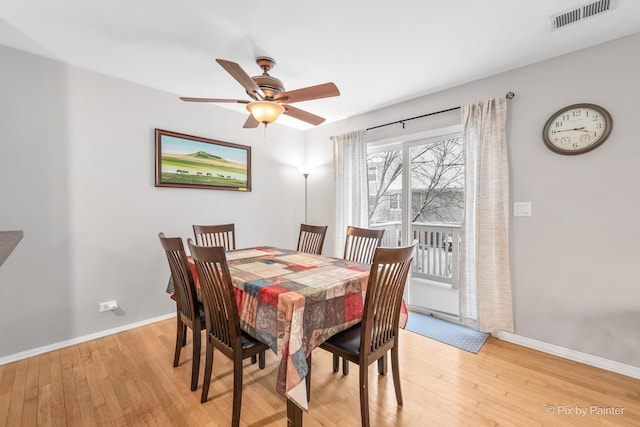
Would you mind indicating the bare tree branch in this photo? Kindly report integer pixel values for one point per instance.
(437, 175)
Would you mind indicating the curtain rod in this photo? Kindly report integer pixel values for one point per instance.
(510, 95)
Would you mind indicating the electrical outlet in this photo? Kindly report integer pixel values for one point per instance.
(108, 306)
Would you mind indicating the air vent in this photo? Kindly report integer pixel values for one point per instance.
(574, 15)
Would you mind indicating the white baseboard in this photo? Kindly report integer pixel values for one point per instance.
(576, 356)
(63, 344)
(556, 350)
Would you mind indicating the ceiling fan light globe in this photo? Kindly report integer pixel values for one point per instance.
(265, 111)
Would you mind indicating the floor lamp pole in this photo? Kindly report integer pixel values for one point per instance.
(306, 175)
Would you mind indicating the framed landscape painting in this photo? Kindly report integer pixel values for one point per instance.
(195, 162)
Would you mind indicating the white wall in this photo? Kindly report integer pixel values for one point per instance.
(77, 175)
(574, 263)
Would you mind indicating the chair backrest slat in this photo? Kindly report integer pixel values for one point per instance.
(311, 238)
(389, 271)
(216, 235)
(216, 290)
(361, 243)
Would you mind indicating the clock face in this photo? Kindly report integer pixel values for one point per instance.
(577, 129)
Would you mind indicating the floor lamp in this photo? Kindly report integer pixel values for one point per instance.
(304, 170)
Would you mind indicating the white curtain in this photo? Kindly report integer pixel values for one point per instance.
(351, 186)
(485, 288)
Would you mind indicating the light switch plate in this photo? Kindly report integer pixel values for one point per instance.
(522, 209)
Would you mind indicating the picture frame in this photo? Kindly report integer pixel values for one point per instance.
(189, 161)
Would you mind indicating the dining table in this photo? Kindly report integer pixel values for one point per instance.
(294, 301)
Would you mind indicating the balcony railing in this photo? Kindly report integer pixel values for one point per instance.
(438, 251)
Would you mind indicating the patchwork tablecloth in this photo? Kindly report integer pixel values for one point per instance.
(293, 302)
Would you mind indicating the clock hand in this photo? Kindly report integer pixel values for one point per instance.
(567, 130)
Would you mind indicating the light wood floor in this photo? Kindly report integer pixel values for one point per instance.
(127, 380)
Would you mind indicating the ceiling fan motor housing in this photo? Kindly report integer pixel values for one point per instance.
(271, 86)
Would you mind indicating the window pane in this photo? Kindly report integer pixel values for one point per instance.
(385, 193)
(437, 181)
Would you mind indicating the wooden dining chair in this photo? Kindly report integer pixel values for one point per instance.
(311, 238)
(361, 243)
(359, 246)
(369, 340)
(222, 320)
(216, 235)
(189, 310)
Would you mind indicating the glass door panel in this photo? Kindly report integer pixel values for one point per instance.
(436, 186)
(385, 194)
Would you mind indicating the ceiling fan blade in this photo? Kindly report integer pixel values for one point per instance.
(325, 90)
(305, 116)
(251, 122)
(242, 77)
(237, 101)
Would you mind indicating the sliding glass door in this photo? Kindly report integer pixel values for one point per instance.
(416, 192)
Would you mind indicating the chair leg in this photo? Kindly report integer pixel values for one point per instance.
(237, 390)
(261, 360)
(195, 360)
(395, 367)
(382, 365)
(184, 334)
(179, 339)
(345, 367)
(208, 367)
(336, 363)
(364, 394)
(308, 378)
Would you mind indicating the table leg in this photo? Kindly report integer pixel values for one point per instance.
(294, 415)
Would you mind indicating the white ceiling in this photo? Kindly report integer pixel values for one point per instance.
(377, 52)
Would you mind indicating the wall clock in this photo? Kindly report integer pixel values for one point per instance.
(577, 129)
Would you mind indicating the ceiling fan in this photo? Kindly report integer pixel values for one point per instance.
(268, 95)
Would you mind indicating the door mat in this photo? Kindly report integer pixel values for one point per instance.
(446, 332)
